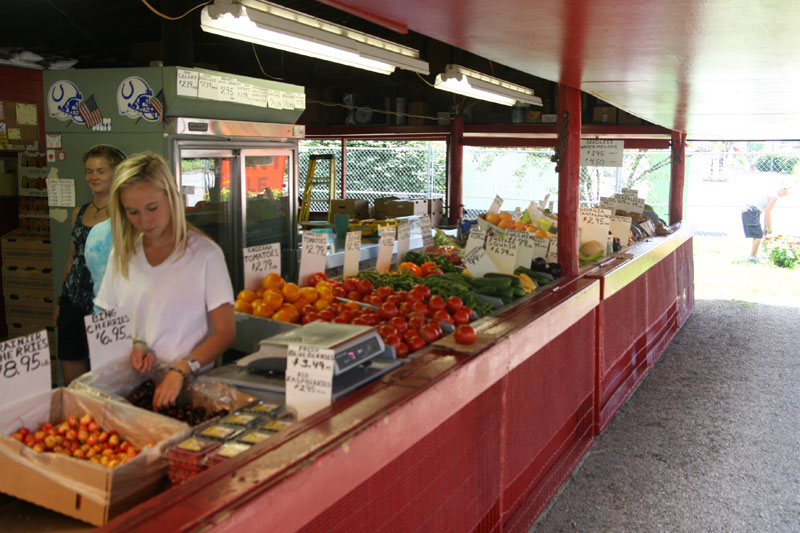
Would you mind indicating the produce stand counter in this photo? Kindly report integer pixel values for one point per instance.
(447, 441)
(645, 300)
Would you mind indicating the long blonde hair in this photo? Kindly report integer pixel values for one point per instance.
(151, 169)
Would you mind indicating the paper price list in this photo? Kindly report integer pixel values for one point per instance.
(309, 378)
(24, 366)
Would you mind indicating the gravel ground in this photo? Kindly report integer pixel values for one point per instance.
(709, 441)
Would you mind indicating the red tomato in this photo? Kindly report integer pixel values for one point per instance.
(339, 292)
(469, 309)
(394, 299)
(443, 316)
(436, 325)
(399, 323)
(420, 307)
(364, 286)
(406, 307)
(428, 333)
(436, 303)
(373, 299)
(326, 315)
(462, 316)
(408, 334)
(421, 289)
(354, 295)
(315, 278)
(383, 292)
(415, 296)
(415, 343)
(416, 322)
(350, 284)
(403, 295)
(385, 330)
(392, 340)
(310, 317)
(387, 310)
(464, 334)
(340, 320)
(401, 349)
(361, 320)
(454, 303)
(347, 315)
(308, 309)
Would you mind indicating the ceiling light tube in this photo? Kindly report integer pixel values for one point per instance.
(278, 27)
(460, 80)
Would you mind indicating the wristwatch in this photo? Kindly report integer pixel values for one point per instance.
(194, 365)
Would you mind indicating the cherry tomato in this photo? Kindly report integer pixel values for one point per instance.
(387, 310)
(364, 286)
(443, 316)
(453, 303)
(401, 349)
(436, 303)
(428, 333)
(462, 316)
(415, 343)
(399, 323)
(383, 292)
(315, 278)
(464, 334)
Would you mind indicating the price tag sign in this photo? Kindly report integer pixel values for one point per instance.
(314, 255)
(594, 225)
(476, 239)
(540, 246)
(517, 214)
(525, 245)
(227, 89)
(629, 203)
(352, 253)
(497, 203)
(187, 82)
(601, 153)
(425, 228)
(621, 229)
(208, 86)
(309, 379)
(109, 336)
(503, 252)
(385, 249)
(608, 203)
(403, 240)
(552, 251)
(259, 261)
(478, 262)
(24, 367)
(60, 192)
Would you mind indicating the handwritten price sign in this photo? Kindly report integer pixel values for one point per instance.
(187, 82)
(24, 367)
(497, 203)
(385, 248)
(314, 255)
(478, 262)
(352, 253)
(403, 240)
(309, 379)
(208, 86)
(109, 336)
(601, 153)
(259, 261)
(594, 224)
(425, 229)
(503, 252)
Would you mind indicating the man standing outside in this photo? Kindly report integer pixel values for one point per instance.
(751, 218)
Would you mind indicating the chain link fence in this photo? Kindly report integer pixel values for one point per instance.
(409, 169)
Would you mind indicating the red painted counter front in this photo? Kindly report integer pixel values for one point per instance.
(452, 442)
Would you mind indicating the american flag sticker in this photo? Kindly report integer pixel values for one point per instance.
(90, 112)
(157, 103)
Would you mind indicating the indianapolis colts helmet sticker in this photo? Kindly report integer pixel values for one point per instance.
(133, 99)
(64, 100)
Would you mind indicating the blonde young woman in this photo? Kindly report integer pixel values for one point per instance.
(77, 291)
(167, 276)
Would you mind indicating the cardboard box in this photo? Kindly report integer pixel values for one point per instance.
(404, 208)
(356, 208)
(379, 205)
(33, 278)
(26, 248)
(628, 119)
(604, 115)
(549, 118)
(28, 298)
(20, 329)
(29, 310)
(77, 488)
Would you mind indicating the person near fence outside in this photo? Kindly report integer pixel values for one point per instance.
(168, 277)
(77, 291)
(751, 218)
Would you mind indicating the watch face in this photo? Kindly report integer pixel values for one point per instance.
(194, 365)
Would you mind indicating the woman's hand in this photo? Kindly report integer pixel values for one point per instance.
(167, 391)
(142, 358)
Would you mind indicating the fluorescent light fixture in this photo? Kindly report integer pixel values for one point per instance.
(278, 27)
(460, 80)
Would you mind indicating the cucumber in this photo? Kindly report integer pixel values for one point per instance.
(486, 291)
(515, 281)
(500, 283)
(539, 277)
(507, 293)
(518, 292)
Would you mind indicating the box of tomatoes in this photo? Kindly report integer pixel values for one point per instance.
(81, 455)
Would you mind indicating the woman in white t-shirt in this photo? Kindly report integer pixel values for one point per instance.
(167, 276)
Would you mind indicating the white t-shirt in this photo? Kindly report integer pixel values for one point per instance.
(169, 303)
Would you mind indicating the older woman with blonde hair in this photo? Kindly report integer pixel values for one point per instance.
(166, 275)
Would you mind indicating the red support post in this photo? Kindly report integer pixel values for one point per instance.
(568, 149)
(344, 168)
(455, 155)
(677, 174)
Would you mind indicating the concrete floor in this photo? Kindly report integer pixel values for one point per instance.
(709, 442)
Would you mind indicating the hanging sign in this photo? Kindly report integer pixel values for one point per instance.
(352, 253)
(425, 228)
(313, 255)
(259, 261)
(309, 379)
(385, 249)
(109, 336)
(24, 367)
(601, 153)
(403, 240)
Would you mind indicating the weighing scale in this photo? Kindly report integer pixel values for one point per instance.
(360, 356)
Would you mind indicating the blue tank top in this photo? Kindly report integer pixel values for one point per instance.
(78, 285)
